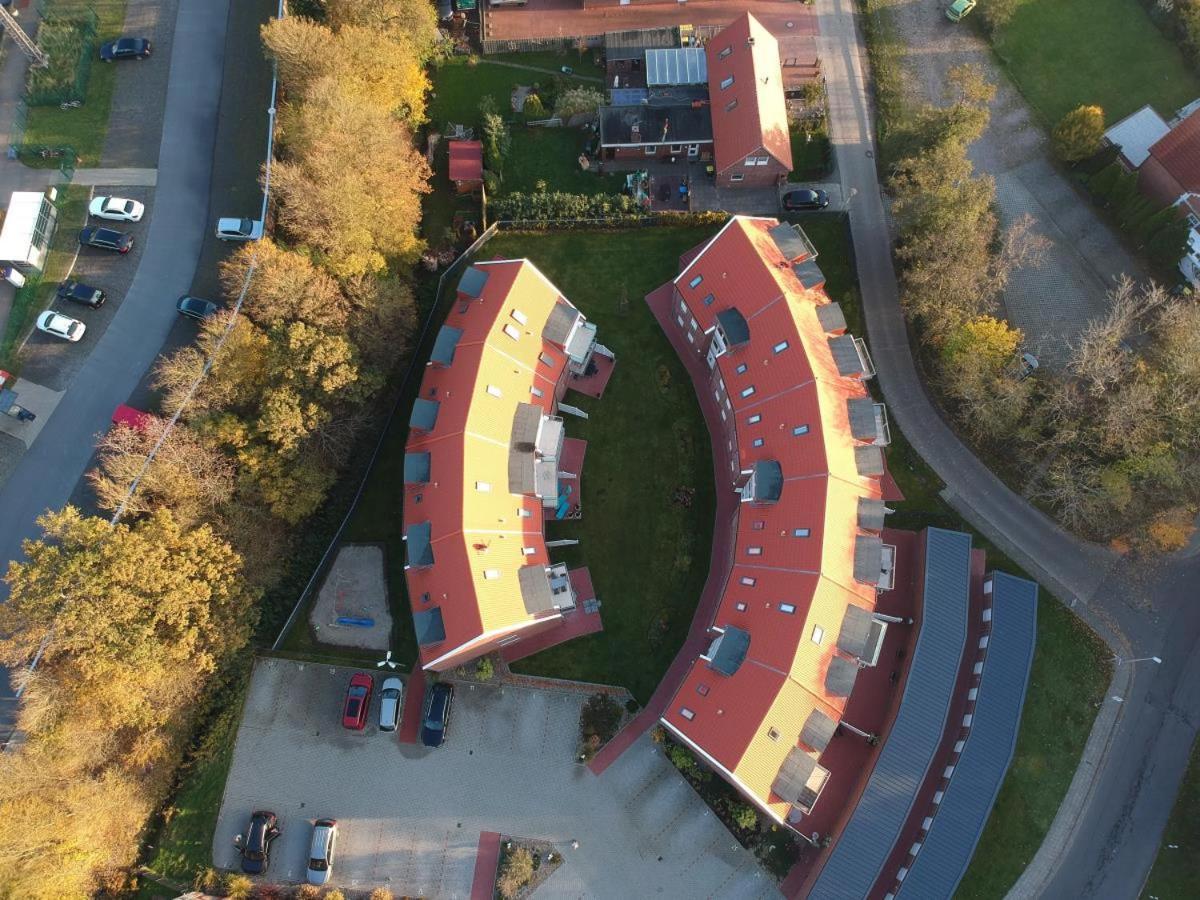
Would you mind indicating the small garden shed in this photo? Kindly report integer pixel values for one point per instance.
(466, 165)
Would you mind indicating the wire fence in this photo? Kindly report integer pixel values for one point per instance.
(436, 311)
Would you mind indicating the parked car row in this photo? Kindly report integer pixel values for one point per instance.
(357, 703)
(255, 846)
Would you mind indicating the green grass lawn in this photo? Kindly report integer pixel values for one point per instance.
(551, 155)
(1063, 53)
(811, 157)
(458, 87)
(84, 128)
(553, 59)
(36, 295)
(1176, 872)
(648, 556)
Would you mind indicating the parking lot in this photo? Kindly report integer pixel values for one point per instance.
(410, 818)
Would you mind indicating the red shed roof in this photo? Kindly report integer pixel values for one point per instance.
(466, 161)
(745, 84)
(1178, 151)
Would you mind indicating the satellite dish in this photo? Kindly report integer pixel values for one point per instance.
(386, 661)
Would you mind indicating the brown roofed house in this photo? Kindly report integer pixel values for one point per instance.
(1173, 167)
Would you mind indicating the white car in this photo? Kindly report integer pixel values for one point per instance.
(391, 697)
(61, 326)
(117, 209)
(239, 229)
(320, 851)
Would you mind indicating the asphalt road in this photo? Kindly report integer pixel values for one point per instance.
(49, 472)
(1106, 846)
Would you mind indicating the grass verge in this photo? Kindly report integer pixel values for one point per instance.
(1176, 871)
(893, 109)
(647, 554)
(36, 294)
(85, 128)
(812, 155)
(1063, 53)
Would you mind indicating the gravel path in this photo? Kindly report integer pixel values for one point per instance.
(1053, 302)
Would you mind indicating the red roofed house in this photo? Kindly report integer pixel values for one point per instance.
(466, 165)
(1173, 167)
(751, 143)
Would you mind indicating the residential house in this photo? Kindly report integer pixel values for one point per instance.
(660, 107)
(1135, 135)
(1171, 169)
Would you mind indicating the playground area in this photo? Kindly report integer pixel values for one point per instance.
(352, 605)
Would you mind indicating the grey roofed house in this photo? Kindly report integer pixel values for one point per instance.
(416, 467)
(676, 65)
(560, 323)
(871, 513)
(418, 545)
(768, 481)
(868, 558)
(861, 411)
(868, 460)
(831, 317)
(818, 731)
(424, 414)
(443, 347)
(734, 326)
(809, 274)
(429, 626)
(792, 242)
(535, 589)
(987, 753)
(654, 125)
(794, 783)
(846, 356)
(840, 676)
(728, 651)
(473, 281)
(910, 746)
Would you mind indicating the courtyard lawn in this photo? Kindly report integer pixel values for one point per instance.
(551, 155)
(458, 86)
(1071, 667)
(1063, 53)
(648, 556)
(812, 156)
(1176, 872)
(83, 129)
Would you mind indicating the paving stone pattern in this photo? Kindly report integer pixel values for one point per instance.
(411, 817)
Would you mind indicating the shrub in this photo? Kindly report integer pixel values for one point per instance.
(206, 880)
(334, 894)
(578, 100)
(485, 669)
(743, 815)
(496, 141)
(684, 761)
(65, 42)
(308, 892)
(238, 886)
(380, 894)
(515, 873)
(534, 108)
(557, 205)
(600, 716)
(1078, 134)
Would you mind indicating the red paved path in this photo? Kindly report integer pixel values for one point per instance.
(487, 857)
(571, 461)
(574, 624)
(722, 547)
(414, 704)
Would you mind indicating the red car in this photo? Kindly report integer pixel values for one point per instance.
(358, 701)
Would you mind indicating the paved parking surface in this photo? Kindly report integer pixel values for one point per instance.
(411, 817)
(53, 362)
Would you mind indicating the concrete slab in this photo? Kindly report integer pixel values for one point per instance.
(411, 818)
(39, 400)
(356, 587)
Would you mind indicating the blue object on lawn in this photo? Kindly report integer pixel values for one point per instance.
(356, 621)
(564, 501)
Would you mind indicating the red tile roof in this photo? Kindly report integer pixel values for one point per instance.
(466, 161)
(788, 363)
(749, 114)
(1178, 151)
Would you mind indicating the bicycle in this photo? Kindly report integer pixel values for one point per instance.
(70, 104)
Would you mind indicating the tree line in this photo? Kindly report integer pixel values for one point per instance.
(1110, 445)
(136, 623)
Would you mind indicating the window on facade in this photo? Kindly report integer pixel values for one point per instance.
(536, 391)
(799, 430)
(773, 733)
(546, 359)
(737, 176)
(695, 282)
(677, 148)
(758, 442)
(724, 53)
(727, 82)
(741, 369)
(519, 316)
(482, 486)
(780, 347)
(799, 532)
(691, 337)
(524, 514)
(650, 151)
(754, 419)
(748, 580)
(702, 690)
(494, 391)
(694, 325)
(491, 574)
(682, 305)
(747, 391)
(708, 299)
(731, 105)
(527, 551)
(789, 608)
(749, 161)
(759, 525)
(740, 606)
(511, 332)
(762, 160)
(754, 551)
(686, 713)
(818, 634)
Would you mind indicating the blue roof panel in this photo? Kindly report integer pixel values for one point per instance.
(443, 347)
(866, 842)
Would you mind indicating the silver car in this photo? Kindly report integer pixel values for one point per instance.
(320, 853)
(239, 229)
(391, 697)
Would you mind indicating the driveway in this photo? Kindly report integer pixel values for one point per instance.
(411, 817)
(1051, 303)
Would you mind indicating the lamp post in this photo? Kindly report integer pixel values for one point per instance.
(1120, 660)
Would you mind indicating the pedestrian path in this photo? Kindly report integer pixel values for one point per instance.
(117, 177)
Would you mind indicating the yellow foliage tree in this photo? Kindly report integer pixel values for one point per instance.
(1078, 134)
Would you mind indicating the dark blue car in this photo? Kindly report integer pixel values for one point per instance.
(125, 48)
(437, 715)
(255, 844)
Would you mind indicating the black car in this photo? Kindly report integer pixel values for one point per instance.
(255, 844)
(805, 199)
(78, 292)
(125, 48)
(106, 239)
(437, 715)
(195, 307)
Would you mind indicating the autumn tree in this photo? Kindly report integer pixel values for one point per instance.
(413, 22)
(979, 367)
(287, 286)
(1078, 134)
